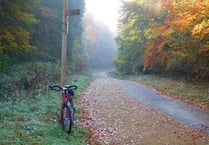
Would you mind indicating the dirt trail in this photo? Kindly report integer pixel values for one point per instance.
(116, 118)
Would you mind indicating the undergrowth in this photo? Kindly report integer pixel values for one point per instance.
(35, 121)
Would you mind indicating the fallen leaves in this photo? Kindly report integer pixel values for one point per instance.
(115, 118)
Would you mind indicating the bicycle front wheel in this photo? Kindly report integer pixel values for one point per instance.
(67, 118)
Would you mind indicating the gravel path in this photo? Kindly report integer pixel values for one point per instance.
(189, 115)
(115, 118)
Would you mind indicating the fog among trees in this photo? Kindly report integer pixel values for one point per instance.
(100, 45)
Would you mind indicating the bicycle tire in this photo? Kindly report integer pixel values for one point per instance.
(67, 118)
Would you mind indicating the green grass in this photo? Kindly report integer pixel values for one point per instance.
(193, 91)
(35, 121)
(198, 92)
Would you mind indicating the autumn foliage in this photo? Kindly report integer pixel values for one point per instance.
(175, 35)
(31, 30)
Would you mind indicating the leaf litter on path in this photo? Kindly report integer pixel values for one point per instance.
(114, 118)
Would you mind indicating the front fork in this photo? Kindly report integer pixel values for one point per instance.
(66, 105)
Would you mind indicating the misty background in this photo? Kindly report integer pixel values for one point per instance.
(100, 23)
(99, 43)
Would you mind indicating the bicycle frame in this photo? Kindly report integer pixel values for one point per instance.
(65, 99)
(67, 108)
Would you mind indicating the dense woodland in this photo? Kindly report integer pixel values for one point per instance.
(31, 31)
(154, 36)
(164, 36)
(30, 44)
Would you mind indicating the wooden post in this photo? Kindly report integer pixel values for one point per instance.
(64, 43)
(66, 13)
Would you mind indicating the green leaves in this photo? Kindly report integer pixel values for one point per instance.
(15, 18)
(169, 36)
(15, 40)
(130, 38)
(31, 30)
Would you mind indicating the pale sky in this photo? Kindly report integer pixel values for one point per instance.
(104, 10)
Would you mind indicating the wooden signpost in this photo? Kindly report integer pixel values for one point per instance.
(66, 13)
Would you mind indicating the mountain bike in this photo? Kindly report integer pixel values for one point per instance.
(67, 106)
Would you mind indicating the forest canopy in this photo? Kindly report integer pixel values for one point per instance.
(164, 36)
(31, 31)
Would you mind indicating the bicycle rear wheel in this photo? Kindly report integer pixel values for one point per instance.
(67, 118)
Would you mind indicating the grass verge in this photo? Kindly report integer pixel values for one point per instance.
(35, 121)
(193, 92)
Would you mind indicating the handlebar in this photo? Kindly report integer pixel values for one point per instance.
(72, 87)
(67, 87)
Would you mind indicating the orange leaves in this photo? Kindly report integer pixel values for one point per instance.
(201, 30)
(174, 35)
(162, 31)
(188, 15)
(185, 28)
(154, 56)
